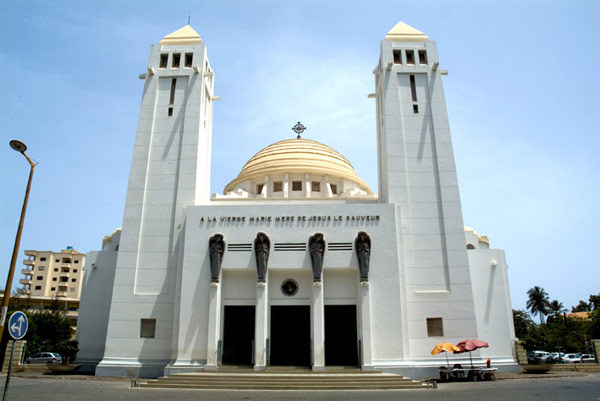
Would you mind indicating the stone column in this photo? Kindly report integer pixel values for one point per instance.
(365, 319)
(318, 328)
(261, 325)
(17, 356)
(596, 344)
(214, 327)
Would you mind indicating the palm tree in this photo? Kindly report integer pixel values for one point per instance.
(556, 308)
(538, 302)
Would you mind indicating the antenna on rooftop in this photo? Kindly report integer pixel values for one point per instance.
(189, 16)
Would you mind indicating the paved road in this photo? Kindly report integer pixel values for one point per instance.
(91, 389)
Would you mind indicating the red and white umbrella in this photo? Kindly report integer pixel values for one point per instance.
(470, 345)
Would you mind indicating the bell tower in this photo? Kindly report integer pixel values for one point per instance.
(417, 173)
(170, 170)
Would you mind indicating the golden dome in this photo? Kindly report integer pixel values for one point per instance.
(298, 156)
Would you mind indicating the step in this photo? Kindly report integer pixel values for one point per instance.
(285, 381)
(233, 386)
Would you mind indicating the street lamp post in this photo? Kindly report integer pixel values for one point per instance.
(21, 148)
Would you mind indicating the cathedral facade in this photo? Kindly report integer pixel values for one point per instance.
(298, 262)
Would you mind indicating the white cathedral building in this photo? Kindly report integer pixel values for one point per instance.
(298, 262)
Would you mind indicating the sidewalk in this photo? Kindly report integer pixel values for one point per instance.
(547, 375)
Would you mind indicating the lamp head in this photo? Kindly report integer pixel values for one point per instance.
(18, 146)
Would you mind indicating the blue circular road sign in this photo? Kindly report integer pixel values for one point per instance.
(17, 325)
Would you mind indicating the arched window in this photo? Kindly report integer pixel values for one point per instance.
(470, 246)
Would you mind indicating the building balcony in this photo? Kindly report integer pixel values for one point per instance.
(26, 271)
(24, 291)
(25, 281)
(29, 262)
(61, 293)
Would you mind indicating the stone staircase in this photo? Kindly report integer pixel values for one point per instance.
(286, 379)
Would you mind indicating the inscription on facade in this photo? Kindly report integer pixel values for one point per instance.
(301, 218)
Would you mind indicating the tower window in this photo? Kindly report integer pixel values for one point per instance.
(259, 188)
(296, 185)
(277, 186)
(415, 108)
(410, 57)
(41, 268)
(422, 57)
(38, 287)
(316, 186)
(176, 60)
(163, 60)
(173, 86)
(397, 56)
(413, 88)
(53, 289)
(42, 259)
(188, 59)
(172, 96)
(147, 328)
(435, 327)
(39, 278)
(54, 279)
(333, 189)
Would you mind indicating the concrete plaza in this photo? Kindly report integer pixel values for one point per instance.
(66, 388)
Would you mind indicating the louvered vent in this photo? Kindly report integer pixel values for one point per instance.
(339, 246)
(239, 247)
(290, 246)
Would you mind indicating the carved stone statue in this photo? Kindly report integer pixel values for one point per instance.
(362, 244)
(316, 246)
(216, 247)
(262, 245)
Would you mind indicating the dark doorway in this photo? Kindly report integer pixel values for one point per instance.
(290, 335)
(238, 335)
(341, 344)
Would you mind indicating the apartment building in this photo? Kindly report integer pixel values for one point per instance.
(52, 278)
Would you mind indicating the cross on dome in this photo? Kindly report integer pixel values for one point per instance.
(298, 129)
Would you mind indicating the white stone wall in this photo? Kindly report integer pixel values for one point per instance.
(97, 289)
(493, 305)
(170, 171)
(417, 173)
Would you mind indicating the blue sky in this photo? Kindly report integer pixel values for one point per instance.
(521, 94)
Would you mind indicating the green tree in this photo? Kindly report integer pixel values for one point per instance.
(595, 301)
(581, 307)
(538, 302)
(51, 332)
(555, 309)
(523, 323)
(595, 323)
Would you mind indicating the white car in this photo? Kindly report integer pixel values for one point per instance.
(556, 357)
(49, 358)
(572, 358)
(585, 358)
(541, 356)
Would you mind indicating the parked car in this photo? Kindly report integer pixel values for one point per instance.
(541, 356)
(556, 357)
(571, 358)
(45, 358)
(585, 358)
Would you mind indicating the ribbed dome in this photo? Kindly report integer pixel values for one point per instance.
(295, 156)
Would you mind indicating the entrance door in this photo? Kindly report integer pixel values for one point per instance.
(238, 335)
(290, 335)
(341, 344)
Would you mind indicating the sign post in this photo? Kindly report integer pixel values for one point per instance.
(17, 328)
